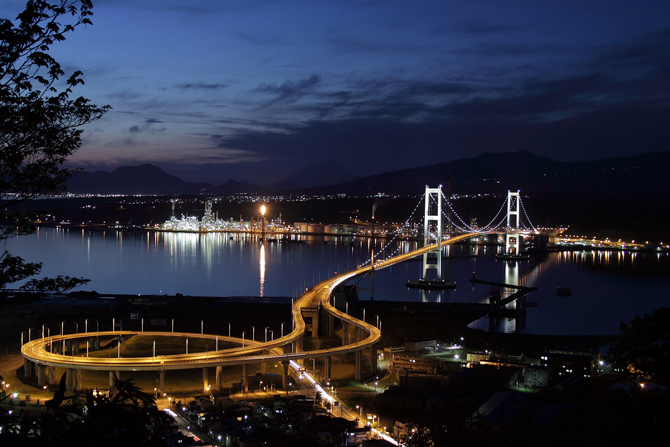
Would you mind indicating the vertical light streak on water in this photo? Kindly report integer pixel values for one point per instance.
(511, 273)
(205, 249)
(119, 236)
(509, 325)
(262, 270)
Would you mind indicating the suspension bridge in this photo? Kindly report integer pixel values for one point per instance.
(314, 313)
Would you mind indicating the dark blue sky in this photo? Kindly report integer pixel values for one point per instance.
(254, 89)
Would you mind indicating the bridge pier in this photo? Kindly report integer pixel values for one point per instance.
(311, 314)
(245, 378)
(161, 382)
(41, 375)
(345, 333)
(331, 325)
(327, 367)
(359, 365)
(299, 348)
(72, 380)
(72, 347)
(264, 365)
(93, 344)
(373, 359)
(50, 375)
(219, 374)
(284, 374)
(205, 380)
(28, 368)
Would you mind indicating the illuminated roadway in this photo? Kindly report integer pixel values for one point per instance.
(252, 352)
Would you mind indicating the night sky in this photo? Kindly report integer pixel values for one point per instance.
(212, 90)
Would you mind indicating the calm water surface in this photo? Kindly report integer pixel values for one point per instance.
(607, 287)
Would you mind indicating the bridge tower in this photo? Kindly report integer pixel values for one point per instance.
(432, 232)
(513, 241)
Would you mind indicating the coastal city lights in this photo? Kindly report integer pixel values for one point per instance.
(356, 224)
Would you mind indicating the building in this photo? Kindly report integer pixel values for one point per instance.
(420, 344)
(426, 366)
(537, 376)
(567, 363)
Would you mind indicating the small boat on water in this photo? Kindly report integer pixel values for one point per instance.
(431, 284)
(563, 291)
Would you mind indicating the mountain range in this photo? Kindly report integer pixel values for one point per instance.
(488, 173)
(149, 179)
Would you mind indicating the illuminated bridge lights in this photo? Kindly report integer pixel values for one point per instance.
(319, 295)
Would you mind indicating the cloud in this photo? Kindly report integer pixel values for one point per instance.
(201, 86)
(289, 91)
(146, 126)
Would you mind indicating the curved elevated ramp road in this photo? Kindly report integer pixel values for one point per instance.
(38, 351)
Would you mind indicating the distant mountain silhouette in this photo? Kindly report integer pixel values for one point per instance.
(321, 174)
(487, 173)
(498, 172)
(147, 179)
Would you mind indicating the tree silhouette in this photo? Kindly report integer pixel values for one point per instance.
(40, 121)
(645, 347)
(59, 395)
(128, 392)
(130, 418)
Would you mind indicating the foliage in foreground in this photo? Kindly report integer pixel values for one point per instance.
(40, 122)
(130, 418)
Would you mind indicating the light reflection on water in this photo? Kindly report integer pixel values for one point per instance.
(607, 287)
